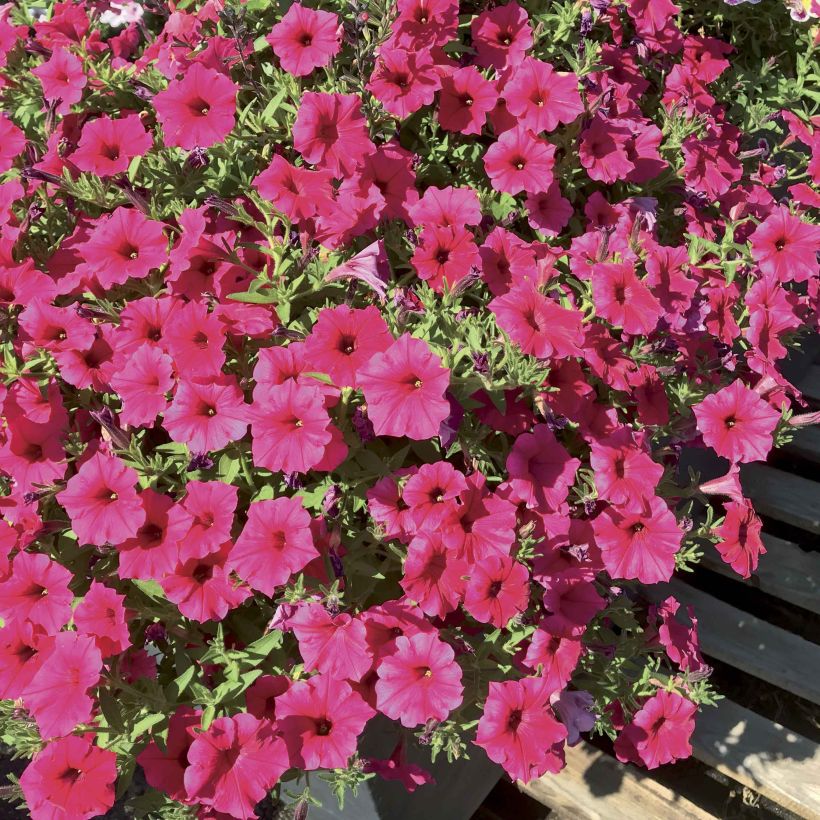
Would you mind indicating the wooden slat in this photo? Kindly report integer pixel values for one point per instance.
(595, 786)
(810, 383)
(776, 762)
(785, 571)
(783, 496)
(754, 646)
(805, 444)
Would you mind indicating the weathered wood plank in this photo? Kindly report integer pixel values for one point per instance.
(774, 761)
(805, 444)
(783, 496)
(595, 786)
(752, 645)
(785, 571)
(810, 383)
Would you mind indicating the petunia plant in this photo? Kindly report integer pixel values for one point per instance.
(349, 355)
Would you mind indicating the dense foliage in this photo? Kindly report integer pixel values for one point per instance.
(349, 353)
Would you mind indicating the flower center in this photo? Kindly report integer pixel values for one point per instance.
(323, 727)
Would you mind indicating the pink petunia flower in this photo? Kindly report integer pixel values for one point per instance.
(211, 506)
(198, 110)
(36, 590)
(305, 39)
(404, 389)
(62, 79)
(737, 424)
(142, 383)
(519, 731)
(233, 765)
(404, 81)
(659, 732)
(290, 428)
(420, 681)
(102, 616)
(540, 470)
(555, 656)
(786, 247)
(519, 161)
(332, 645)
(434, 574)
(540, 97)
(501, 36)
(101, 501)
(58, 695)
(165, 768)
(498, 589)
(331, 132)
(343, 339)
(740, 544)
(320, 720)
(465, 100)
(275, 543)
(70, 779)
(125, 244)
(207, 414)
(107, 146)
(540, 326)
(641, 544)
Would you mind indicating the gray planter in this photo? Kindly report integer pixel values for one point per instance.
(459, 790)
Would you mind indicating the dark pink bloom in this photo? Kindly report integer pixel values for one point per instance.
(498, 589)
(102, 616)
(154, 549)
(639, 545)
(786, 247)
(101, 501)
(420, 681)
(70, 779)
(540, 97)
(305, 39)
(623, 299)
(211, 506)
(62, 79)
(659, 732)
(434, 574)
(207, 413)
(291, 428)
(625, 473)
(343, 339)
(142, 382)
(58, 695)
(736, 423)
(203, 589)
(321, 720)
(294, 190)
(573, 602)
(396, 767)
(465, 100)
(234, 764)
(519, 161)
(275, 543)
(404, 81)
(538, 325)
(331, 131)
(540, 470)
(555, 657)
(125, 244)
(107, 146)
(332, 645)
(404, 389)
(501, 36)
(519, 731)
(36, 590)
(444, 256)
(740, 544)
(198, 110)
(165, 768)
